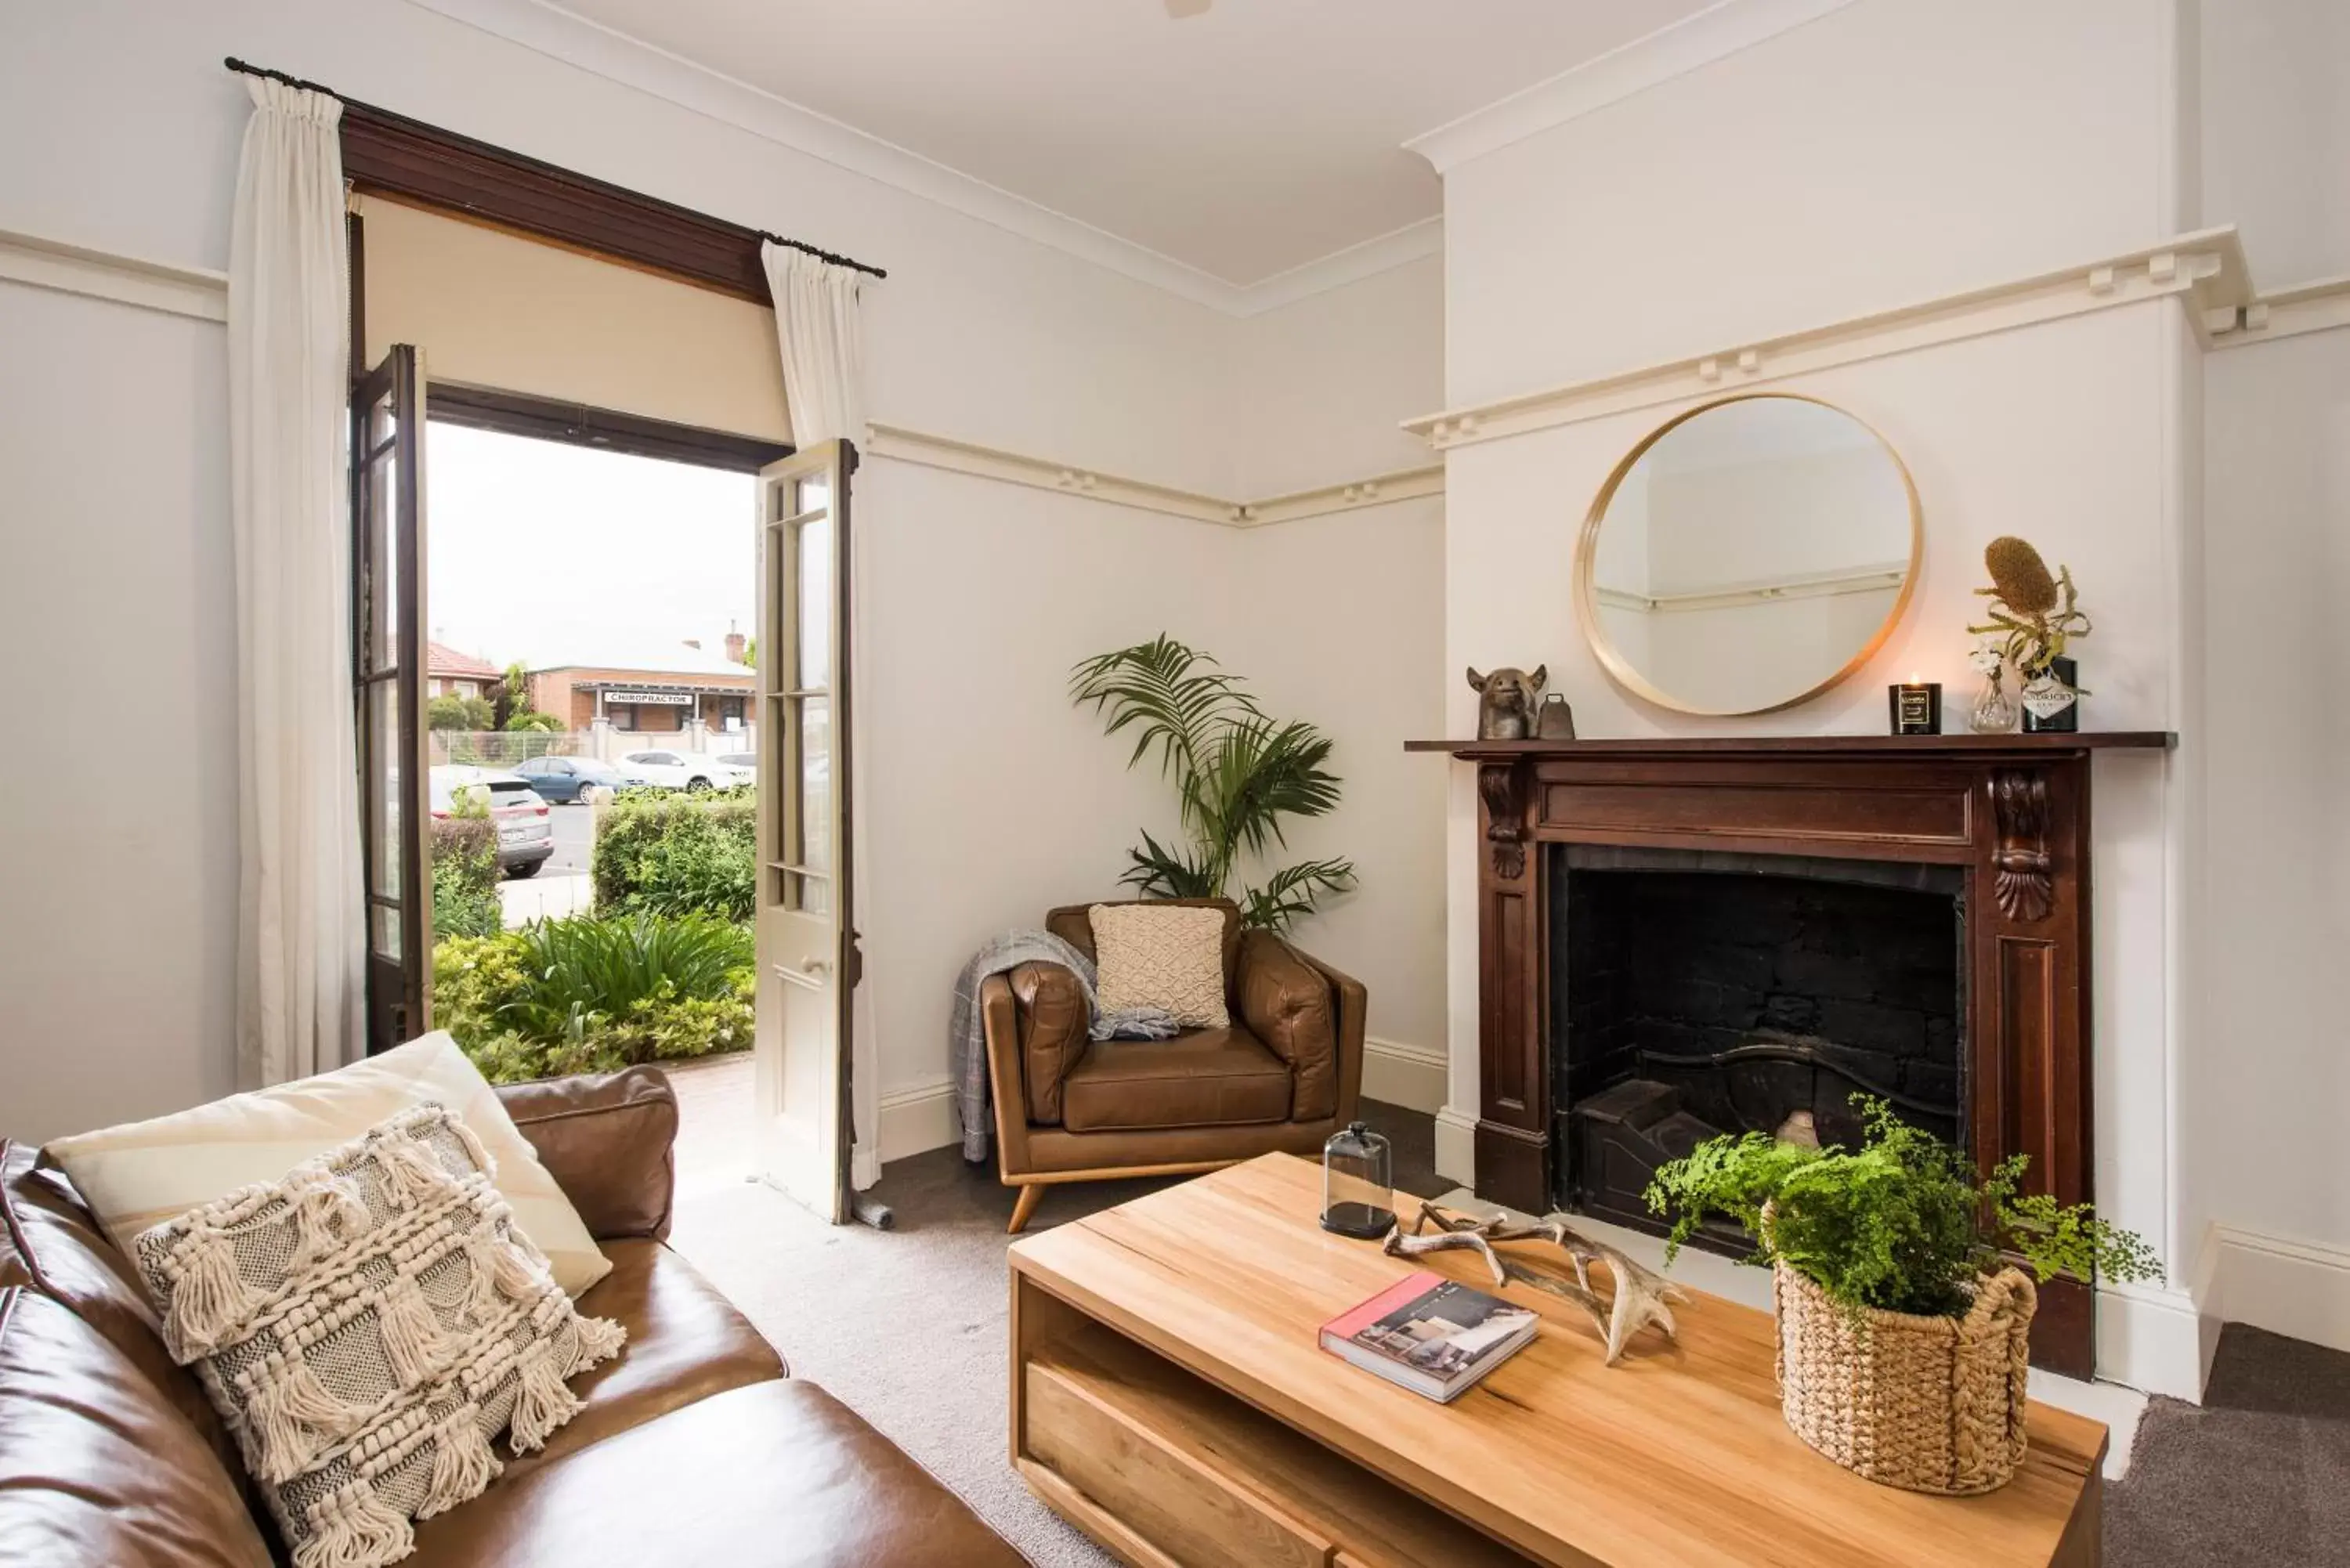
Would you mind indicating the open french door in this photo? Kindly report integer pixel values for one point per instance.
(388, 677)
(807, 955)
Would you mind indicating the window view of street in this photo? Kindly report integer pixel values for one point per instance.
(593, 744)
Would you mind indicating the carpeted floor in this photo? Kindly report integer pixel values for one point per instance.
(2257, 1473)
(908, 1328)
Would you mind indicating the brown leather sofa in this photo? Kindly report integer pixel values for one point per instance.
(1284, 1075)
(694, 1447)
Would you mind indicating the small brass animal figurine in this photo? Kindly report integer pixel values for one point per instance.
(1505, 702)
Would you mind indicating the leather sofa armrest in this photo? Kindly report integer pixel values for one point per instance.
(1310, 1016)
(609, 1139)
(1050, 1008)
(999, 1012)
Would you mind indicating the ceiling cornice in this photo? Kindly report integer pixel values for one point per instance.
(1715, 33)
(590, 47)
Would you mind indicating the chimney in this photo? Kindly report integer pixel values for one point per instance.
(734, 646)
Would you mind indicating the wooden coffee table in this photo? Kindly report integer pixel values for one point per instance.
(1169, 1398)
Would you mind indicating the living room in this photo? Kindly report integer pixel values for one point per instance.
(1328, 343)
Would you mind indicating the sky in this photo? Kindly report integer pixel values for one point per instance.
(544, 552)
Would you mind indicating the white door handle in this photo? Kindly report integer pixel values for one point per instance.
(814, 973)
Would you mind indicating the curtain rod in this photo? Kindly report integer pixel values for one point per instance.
(246, 68)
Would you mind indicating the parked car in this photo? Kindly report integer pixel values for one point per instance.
(525, 835)
(741, 760)
(687, 769)
(564, 780)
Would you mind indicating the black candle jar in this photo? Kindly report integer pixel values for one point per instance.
(1915, 708)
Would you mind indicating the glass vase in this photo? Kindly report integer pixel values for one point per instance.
(1994, 712)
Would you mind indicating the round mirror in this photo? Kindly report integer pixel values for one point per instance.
(1749, 554)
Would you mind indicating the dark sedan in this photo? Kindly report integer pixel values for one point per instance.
(568, 780)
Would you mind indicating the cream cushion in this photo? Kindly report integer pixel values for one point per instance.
(1168, 956)
(136, 1175)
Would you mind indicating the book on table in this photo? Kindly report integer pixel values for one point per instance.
(1432, 1336)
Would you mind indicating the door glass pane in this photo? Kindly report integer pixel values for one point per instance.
(383, 931)
(816, 603)
(380, 646)
(810, 895)
(814, 494)
(383, 811)
(815, 783)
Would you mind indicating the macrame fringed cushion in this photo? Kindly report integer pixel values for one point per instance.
(367, 1325)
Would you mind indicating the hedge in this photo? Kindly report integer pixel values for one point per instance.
(465, 874)
(678, 855)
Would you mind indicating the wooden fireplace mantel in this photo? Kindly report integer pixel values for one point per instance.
(2043, 743)
(2010, 811)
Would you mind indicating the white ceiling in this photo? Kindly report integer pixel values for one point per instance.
(1260, 136)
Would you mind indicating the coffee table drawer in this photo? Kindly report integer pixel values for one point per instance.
(1183, 1508)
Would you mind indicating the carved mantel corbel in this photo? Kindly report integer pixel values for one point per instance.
(2025, 880)
(1504, 788)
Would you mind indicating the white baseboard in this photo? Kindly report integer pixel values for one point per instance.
(917, 1117)
(1407, 1075)
(2296, 1288)
(2150, 1337)
(1456, 1144)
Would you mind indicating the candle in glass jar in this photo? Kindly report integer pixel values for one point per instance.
(1916, 707)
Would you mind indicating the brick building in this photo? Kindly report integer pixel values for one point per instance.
(654, 689)
(448, 673)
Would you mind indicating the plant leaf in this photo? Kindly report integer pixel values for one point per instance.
(1293, 891)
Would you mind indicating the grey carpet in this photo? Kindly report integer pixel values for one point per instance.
(2257, 1473)
(909, 1329)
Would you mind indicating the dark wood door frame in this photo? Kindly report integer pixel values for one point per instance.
(607, 430)
(2012, 812)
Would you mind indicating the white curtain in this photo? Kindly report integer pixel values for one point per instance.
(822, 341)
(300, 945)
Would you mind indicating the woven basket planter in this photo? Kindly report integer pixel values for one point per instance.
(1927, 1403)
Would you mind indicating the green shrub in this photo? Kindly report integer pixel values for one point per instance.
(673, 854)
(1900, 1223)
(465, 871)
(587, 995)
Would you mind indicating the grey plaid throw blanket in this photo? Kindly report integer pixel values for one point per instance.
(966, 1033)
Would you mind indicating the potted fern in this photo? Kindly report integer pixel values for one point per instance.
(1904, 1334)
(1237, 775)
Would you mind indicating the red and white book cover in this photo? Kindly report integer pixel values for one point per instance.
(1433, 1335)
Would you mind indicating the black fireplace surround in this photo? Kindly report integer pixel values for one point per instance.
(1696, 992)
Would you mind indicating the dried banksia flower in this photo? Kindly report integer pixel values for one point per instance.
(2020, 575)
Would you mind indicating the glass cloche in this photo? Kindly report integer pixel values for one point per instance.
(1358, 1183)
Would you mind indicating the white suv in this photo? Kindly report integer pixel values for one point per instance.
(687, 769)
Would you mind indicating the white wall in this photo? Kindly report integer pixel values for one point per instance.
(118, 933)
(1889, 152)
(983, 595)
(2272, 1087)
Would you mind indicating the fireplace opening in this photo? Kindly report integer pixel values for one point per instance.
(1699, 992)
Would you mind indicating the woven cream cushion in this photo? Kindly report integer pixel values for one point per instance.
(137, 1175)
(366, 1324)
(1169, 956)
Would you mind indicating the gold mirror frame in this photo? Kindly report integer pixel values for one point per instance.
(1586, 594)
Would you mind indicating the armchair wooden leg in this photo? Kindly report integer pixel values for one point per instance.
(1024, 1206)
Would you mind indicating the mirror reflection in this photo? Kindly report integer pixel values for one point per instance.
(1750, 556)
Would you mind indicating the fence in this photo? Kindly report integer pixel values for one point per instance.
(505, 748)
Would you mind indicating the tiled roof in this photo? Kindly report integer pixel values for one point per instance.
(647, 655)
(443, 661)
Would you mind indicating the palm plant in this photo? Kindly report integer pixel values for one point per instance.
(1237, 775)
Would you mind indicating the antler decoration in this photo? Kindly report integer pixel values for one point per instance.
(1641, 1294)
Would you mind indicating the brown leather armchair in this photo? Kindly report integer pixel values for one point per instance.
(1284, 1075)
